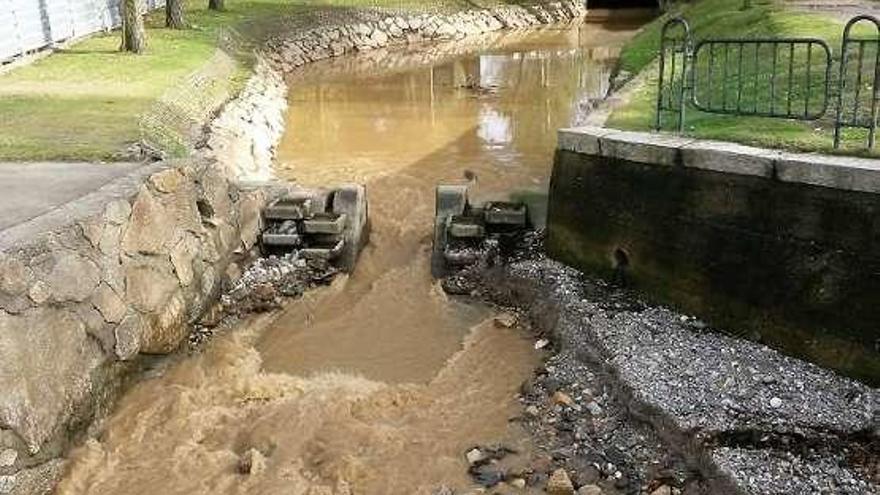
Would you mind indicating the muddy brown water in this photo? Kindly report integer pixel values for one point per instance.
(379, 383)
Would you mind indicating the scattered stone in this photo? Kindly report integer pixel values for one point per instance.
(532, 411)
(252, 462)
(518, 483)
(487, 475)
(559, 483)
(563, 399)
(542, 343)
(475, 456)
(775, 402)
(594, 408)
(505, 320)
(662, 490)
(444, 490)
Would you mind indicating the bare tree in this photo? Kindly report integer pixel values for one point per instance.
(134, 37)
(216, 4)
(174, 14)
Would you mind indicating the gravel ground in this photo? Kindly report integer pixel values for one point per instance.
(653, 400)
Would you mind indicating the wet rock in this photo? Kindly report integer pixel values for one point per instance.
(252, 462)
(559, 483)
(505, 320)
(564, 399)
(475, 456)
(487, 475)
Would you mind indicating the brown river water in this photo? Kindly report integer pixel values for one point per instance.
(379, 383)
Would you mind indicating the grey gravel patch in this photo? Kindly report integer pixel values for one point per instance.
(720, 413)
(758, 472)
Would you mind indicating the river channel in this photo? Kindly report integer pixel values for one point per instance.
(379, 383)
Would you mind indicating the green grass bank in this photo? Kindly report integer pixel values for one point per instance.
(87, 101)
(728, 19)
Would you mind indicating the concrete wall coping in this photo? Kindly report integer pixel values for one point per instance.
(837, 172)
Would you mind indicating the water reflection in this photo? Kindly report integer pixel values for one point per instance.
(489, 114)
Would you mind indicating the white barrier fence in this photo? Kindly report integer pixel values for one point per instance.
(29, 25)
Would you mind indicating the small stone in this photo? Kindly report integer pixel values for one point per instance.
(662, 490)
(505, 320)
(253, 463)
(563, 399)
(475, 456)
(8, 457)
(594, 408)
(559, 483)
(444, 490)
(532, 411)
(589, 490)
(775, 402)
(518, 483)
(541, 344)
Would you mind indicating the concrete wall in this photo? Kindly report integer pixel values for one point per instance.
(28, 25)
(780, 247)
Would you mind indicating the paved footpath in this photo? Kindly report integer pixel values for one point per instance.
(844, 9)
(28, 190)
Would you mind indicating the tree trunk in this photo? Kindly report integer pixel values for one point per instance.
(133, 34)
(174, 14)
(216, 4)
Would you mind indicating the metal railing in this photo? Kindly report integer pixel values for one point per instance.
(788, 78)
(863, 48)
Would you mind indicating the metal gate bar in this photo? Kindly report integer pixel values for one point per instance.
(798, 77)
(680, 44)
(848, 40)
(747, 78)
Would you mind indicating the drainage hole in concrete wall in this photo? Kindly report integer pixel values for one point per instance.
(620, 259)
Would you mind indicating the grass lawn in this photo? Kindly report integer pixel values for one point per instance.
(84, 102)
(725, 18)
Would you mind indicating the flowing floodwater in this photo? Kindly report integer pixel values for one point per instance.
(379, 383)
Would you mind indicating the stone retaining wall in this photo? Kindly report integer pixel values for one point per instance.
(79, 303)
(782, 247)
(372, 31)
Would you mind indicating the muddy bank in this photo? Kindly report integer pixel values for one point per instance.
(640, 397)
